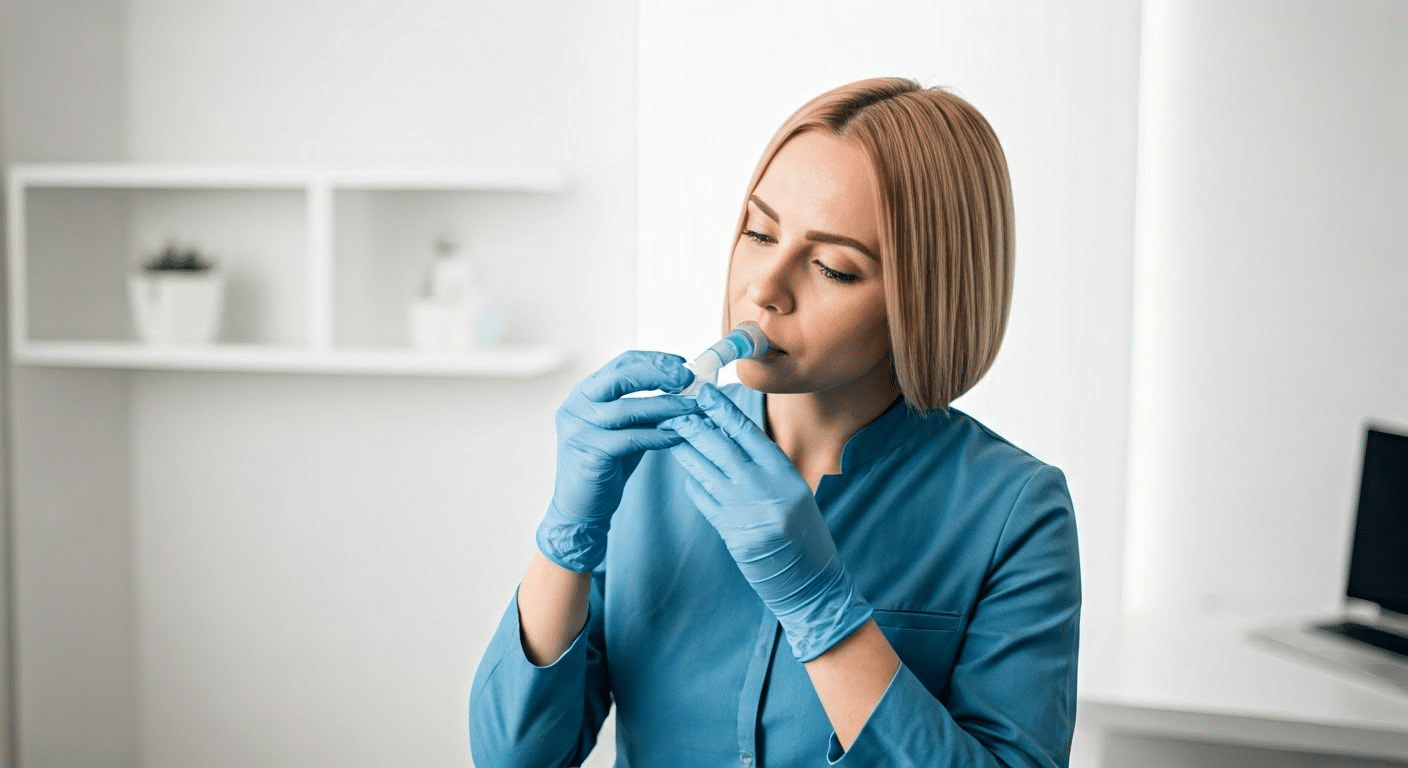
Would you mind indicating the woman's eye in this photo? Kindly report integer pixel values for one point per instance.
(756, 237)
(831, 274)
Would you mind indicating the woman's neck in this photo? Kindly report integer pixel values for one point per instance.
(812, 427)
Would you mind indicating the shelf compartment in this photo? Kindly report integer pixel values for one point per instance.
(505, 362)
(383, 245)
(82, 242)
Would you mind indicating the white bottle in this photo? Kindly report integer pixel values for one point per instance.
(445, 319)
(454, 278)
(442, 317)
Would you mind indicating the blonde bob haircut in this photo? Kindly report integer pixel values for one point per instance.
(946, 231)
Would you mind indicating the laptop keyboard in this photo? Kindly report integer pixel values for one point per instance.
(1389, 641)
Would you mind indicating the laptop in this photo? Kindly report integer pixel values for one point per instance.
(1371, 638)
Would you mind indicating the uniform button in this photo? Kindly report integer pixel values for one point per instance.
(745, 758)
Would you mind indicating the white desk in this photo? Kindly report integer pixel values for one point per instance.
(1207, 682)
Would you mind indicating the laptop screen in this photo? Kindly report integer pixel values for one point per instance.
(1378, 561)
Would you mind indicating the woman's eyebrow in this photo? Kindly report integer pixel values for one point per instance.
(819, 237)
(765, 208)
(826, 237)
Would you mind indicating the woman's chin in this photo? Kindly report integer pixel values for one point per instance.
(753, 374)
(762, 377)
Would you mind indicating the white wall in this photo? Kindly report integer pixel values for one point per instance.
(1270, 295)
(63, 79)
(74, 604)
(319, 562)
(1058, 84)
(312, 565)
(6, 495)
(320, 578)
(71, 559)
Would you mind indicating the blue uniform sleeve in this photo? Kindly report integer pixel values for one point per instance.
(525, 715)
(1011, 699)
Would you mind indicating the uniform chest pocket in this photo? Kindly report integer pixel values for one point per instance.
(926, 641)
(943, 621)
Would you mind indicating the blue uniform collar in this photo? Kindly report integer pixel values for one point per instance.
(887, 432)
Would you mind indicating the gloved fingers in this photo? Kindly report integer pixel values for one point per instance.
(734, 423)
(706, 504)
(615, 443)
(700, 469)
(630, 411)
(636, 371)
(713, 445)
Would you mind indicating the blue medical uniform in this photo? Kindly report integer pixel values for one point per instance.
(964, 544)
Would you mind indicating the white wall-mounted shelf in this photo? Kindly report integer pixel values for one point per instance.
(505, 361)
(173, 176)
(320, 261)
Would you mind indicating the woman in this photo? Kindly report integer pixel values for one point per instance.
(825, 563)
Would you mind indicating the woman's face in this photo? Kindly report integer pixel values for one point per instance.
(806, 267)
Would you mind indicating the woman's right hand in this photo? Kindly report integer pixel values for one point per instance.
(601, 437)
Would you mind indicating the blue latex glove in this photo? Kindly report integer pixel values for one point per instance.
(767, 515)
(600, 439)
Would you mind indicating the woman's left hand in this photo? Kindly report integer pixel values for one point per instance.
(768, 517)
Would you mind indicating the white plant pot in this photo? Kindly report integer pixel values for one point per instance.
(177, 307)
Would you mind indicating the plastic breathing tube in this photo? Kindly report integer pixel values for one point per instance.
(746, 341)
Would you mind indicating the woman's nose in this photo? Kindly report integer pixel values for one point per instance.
(770, 287)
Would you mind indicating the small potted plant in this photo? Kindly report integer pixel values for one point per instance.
(177, 297)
